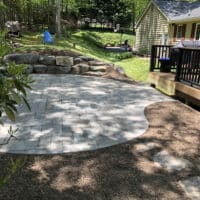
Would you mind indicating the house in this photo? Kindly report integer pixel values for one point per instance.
(167, 22)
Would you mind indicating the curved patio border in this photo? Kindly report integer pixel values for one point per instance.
(76, 113)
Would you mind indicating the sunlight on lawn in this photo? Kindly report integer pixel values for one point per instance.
(136, 68)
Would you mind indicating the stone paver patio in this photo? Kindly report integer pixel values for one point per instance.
(76, 113)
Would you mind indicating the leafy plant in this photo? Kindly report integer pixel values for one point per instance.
(13, 84)
(121, 56)
(5, 46)
(13, 167)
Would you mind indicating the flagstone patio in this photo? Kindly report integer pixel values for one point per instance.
(78, 113)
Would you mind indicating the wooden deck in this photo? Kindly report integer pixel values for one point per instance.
(165, 83)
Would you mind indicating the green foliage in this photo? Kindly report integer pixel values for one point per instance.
(13, 89)
(122, 56)
(90, 43)
(4, 44)
(13, 167)
(13, 85)
(136, 68)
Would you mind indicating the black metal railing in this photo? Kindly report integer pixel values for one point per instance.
(158, 52)
(188, 67)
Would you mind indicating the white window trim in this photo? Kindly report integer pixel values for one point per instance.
(198, 24)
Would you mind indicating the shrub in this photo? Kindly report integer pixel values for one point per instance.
(13, 84)
(122, 56)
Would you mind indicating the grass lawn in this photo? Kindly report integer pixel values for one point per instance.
(136, 68)
(91, 43)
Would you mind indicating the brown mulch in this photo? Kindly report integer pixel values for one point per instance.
(118, 172)
(113, 74)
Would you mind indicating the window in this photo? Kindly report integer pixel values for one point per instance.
(179, 32)
(197, 34)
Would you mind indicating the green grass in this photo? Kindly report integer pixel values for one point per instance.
(136, 68)
(91, 43)
(114, 38)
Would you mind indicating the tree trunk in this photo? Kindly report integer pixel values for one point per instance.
(58, 18)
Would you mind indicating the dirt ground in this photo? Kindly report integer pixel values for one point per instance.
(118, 172)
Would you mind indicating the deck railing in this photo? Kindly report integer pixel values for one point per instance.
(188, 67)
(185, 63)
(158, 52)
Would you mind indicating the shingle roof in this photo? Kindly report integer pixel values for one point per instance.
(176, 10)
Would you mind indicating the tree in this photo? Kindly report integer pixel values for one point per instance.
(13, 84)
(58, 18)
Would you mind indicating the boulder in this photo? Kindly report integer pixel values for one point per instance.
(96, 63)
(97, 73)
(58, 70)
(66, 61)
(76, 69)
(77, 61)
(28, 69)
(26, 58)
(85, 58)
(98, 68)
(120, 70)
(80, 68)
(40, 69)
(52, 70)
(64, 70)
(84, 68)
(47, 60)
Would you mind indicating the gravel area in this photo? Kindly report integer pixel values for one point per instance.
(125, 171)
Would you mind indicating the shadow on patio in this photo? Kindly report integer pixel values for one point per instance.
(120, 172)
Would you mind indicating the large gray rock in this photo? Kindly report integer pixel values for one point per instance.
(40, 69)
(64, 70)
(83, 67)
(47, 60)
(98, 68)
(96, 63)
(27, 58)
(90, 73)
(58, 70)
(77, 61)
(120, 70)
(76, 69)
(80, 68)
(66, 61)
(85, 58)
(28, 69)
(52, 70)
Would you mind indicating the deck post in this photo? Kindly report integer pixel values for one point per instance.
(179, 65)
(153, 54)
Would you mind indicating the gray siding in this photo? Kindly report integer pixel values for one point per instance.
(150, 29)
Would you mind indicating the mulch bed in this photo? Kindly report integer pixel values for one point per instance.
(118, 172)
